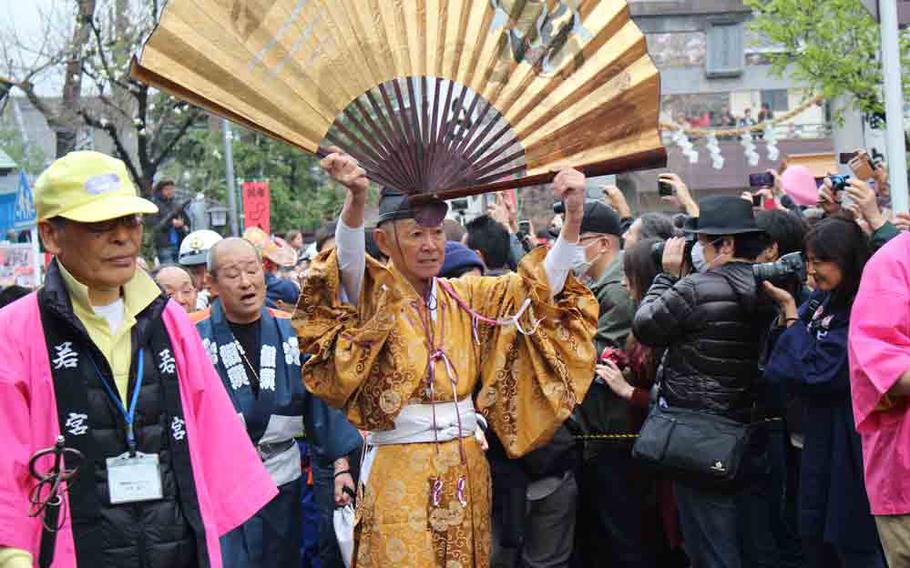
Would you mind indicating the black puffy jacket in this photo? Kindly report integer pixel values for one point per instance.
(711, 324)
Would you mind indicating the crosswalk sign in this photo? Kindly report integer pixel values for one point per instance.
(24, 215)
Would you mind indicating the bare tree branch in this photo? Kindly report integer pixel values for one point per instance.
(192, 117)
(111, 129)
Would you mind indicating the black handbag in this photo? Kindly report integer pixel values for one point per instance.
(692, 446)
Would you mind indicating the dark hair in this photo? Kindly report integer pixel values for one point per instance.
(12, 293)
(492, 240)
(454, 230)
(291, 235)
(785, 228)
(162, 184)
(639, 267)
(325, 233)
(750, 245)
(657, 225)
(841, 241)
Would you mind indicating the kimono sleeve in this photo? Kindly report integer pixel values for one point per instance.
(879, 343)
(341, 343)
(224, 460)
(531, 378)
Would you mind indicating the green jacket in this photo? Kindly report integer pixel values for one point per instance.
(616, 308)
(884, 234)
(602, 412)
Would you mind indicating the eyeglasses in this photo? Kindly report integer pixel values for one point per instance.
(128, 222)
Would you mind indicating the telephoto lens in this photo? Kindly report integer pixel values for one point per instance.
(781, 270)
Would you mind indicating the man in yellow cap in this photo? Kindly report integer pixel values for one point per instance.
(102, 359)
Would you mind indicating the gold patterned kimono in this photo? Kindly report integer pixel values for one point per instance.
(372, 359)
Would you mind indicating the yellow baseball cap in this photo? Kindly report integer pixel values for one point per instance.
(88, 187)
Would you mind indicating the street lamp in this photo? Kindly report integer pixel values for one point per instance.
(218, 216)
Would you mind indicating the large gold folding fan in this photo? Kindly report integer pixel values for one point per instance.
(447, 97)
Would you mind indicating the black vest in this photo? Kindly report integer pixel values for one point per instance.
(166, 533)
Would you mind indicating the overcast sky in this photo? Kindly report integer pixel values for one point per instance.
(25, 16)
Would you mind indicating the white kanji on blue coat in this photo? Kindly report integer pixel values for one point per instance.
(212, 349)
(229, 355)
(237, 377)
(291, 351)
(267, 379)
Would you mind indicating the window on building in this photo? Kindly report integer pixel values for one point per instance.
(725, 57)
(776, 99)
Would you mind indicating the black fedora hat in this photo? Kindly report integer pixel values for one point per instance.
(724, 215)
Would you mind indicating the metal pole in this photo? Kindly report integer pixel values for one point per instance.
(229, 174)
(894, 105)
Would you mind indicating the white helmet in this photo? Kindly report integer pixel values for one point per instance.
(195, 247)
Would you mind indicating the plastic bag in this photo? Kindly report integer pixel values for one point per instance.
(343, 519)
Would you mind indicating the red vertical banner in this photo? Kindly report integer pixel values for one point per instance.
(256, 205)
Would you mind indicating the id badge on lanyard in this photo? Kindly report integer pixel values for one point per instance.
(132, 476)
(131, 479)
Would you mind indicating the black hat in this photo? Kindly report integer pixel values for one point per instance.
(600, 218)
(724, 215)
(395, 205)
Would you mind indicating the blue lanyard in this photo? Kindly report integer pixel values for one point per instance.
(128, 415)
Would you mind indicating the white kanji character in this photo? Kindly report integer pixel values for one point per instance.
(267, 356)
(65, 357)
(75, 423)
(267, 379)
(292, 351)
(229, 355)
(212, 349)
(167, 362)
(237, 376)
(177, 428)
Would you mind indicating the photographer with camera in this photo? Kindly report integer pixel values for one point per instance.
(810, 356)
(710, 324)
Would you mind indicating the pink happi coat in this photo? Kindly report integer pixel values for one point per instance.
(879, 355)
(231, 482)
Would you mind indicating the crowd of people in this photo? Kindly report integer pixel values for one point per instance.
(725, 118)
(724, 386)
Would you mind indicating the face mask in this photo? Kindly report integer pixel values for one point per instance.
(581, 265)
(698, 257)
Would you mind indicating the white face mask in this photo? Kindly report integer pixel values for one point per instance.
(581, 265)
(698, 257)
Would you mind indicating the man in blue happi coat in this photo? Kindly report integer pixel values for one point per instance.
(255, 352)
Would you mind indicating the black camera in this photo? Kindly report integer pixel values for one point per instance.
(781, 270)
(657, 251)
(559, 208)
(839, 182)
